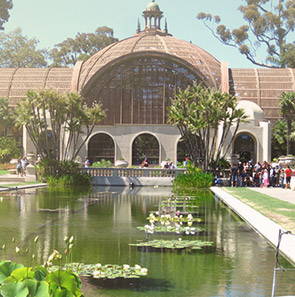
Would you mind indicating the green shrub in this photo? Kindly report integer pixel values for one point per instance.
(102, 164)
(64, 173)
(8, 149)
(70, 180)
(193, 179)
(45, 168)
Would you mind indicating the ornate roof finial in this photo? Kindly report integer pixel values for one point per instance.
(138, 26)
(166, 28)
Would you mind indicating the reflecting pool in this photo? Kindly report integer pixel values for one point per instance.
(104, 221)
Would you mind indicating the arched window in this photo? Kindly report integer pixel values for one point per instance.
(182, 152)
(145, 146)
(101, 146)
(138, 91)
(244, 146)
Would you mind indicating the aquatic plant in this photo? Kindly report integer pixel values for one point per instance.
(170, 229)
(108, 271)
(167, 219)
(174, 244)
(17, 280)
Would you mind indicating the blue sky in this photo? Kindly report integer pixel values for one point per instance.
(53, 21)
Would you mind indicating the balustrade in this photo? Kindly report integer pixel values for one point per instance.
(133, 172)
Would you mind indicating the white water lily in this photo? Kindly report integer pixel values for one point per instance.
(144, 270)
(96, 273)
(98, 265)
(137, 267)
(180, 239)
(126, 267)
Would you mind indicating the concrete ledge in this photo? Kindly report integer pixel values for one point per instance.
(135, 181)
(266, 227)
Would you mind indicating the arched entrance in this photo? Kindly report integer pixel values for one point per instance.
(244, 146)
(145, 146)
(101, 146)
(182, 152)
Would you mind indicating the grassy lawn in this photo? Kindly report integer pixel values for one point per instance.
(3, 171)
(281, 212)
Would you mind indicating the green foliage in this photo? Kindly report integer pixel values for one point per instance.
(46, 167)
(279, 139)
(174, 244)
(17, 280)
(56, 121)
(76, 179)
(108, 271)
(102, 164)
(223, 164)
(65, 173)
(194, 179)
(287, 105)
(4, 14)
(20, 51)
(268, 26)
(199, 113)
(6, 116)
(68, 52)
(8, 149)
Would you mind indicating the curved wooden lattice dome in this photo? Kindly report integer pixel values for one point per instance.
(151, 43)
(262, 86)
(15, 82)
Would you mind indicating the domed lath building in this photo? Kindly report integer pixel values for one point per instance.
(135, 78)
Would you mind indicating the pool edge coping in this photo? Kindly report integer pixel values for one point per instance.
(260, 223)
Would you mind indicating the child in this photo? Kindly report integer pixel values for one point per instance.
(19, 167)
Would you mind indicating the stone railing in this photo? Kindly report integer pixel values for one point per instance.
(132, 172)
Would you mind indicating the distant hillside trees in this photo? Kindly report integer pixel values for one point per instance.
(5, 6)
(17, 50)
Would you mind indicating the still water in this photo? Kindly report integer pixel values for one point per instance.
(104, 221)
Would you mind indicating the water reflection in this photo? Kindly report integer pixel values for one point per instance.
(104, 222)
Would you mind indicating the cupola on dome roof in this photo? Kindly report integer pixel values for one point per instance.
(152, 6)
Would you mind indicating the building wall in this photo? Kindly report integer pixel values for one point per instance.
(124, 135)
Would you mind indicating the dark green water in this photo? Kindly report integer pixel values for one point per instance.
(104, 222)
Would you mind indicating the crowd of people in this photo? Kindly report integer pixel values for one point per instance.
(260, 175)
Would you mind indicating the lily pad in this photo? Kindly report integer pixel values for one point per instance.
(174, 244)
(170, 229)
(108, 271)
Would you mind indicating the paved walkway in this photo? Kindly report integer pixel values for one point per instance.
(263, 225)
(279, 193)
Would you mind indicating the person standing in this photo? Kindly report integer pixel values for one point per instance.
(24, 162)
(234, 175)
(277, 176)
(265, 178)
(282, 177)
(86, 163)
(288, 173)
(19, 167)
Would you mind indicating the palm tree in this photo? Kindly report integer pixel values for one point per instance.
(287, 105)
